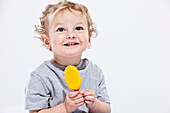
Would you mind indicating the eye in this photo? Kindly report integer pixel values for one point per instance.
(79, 28)
(60, 29)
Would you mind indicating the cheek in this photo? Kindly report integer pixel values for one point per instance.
(85, 37)
(57, 39)
(88, 40)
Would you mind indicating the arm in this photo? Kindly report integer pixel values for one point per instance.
(95, 105)
(57, 109)
(101, 107)
(72, 102)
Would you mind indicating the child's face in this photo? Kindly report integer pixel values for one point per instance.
(68, 34)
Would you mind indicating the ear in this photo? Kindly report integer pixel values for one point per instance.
(45, 41)
(90, 40)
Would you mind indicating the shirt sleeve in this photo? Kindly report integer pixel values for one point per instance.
(37, 94)
(102, 91)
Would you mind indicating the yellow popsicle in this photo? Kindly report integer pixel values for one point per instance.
(72, 77)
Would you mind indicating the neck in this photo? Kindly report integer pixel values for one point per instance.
(65, 61)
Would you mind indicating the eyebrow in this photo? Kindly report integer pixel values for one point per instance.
(83, 23)
(58, 24)
(77, 23)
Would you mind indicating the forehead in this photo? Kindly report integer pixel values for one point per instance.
(68, 15)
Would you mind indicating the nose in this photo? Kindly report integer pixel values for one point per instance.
(71, 35)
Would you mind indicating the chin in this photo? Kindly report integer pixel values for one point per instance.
(72, 55)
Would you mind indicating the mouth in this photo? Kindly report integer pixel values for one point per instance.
(71, 44)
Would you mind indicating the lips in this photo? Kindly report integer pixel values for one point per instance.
(71, 44)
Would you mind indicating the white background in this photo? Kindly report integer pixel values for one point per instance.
(132, 48)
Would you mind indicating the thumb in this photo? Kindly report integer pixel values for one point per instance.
(73, 94)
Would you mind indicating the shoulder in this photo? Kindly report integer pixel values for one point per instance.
(39, 72)
(44, 75)
(92, 65)
(93, 68)
(43, 70)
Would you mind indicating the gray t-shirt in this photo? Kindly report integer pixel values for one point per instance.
(47, 87)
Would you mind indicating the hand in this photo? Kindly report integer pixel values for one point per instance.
(89, 98)
(73, 101)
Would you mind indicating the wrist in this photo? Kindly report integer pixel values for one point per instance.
(93, 109)
(65, 108)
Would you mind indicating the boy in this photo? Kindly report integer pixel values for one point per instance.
(66, 30)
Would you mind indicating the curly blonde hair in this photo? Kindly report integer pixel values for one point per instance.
(56, 8)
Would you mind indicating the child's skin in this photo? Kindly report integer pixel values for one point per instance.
(66, 28)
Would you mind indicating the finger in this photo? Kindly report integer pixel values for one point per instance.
(88, 102)
(80, 104)
(89, 93)
(83, 91)
(80, 100)
(89, 98)
(78, 96)
(73, 94)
